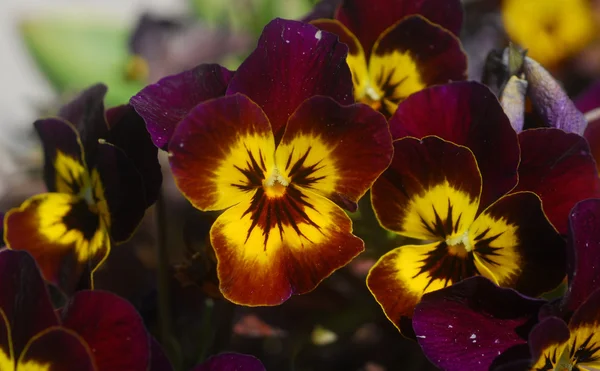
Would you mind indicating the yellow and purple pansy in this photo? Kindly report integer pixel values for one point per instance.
(480, 326)
(96, 330)
(282, 152)
(398, 47)
(101, 172)
(464, 184)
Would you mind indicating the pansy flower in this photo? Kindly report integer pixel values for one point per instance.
(398, 47)
(454, 196)
(98, 192)
(476, 325)
(279, 160)
(550, 30)
(96, 330)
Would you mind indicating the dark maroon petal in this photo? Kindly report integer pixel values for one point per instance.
(465, 113)
(59, 349)
(112, 329)
(468, 325)
(24, 299)
(128, 132)
(58, 137)
(86, 113)
(231, 362)
(559, 168)
(592, 135)
(587, 314)
(158, 358)
(584, 263)
(368, 19)
(548, 332)
(123, 191)
(292, 62)
(164, 104)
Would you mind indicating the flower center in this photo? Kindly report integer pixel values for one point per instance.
(459, 245)
(275, 184)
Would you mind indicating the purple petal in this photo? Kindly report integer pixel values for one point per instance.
(467, 326)
(164, 104)
(550, 331)
(293, 62)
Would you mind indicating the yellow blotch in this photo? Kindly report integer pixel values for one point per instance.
(360, 73)
(51, 212)
(561, 352)
(324, 176)
(551, 30)
(392, 77)
(32, 366)
(69, 171)
(227, 177)
(408, 262)
(439, 199)
(504, 265)
(98, 199)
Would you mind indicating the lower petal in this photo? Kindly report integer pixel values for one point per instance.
(403, 275)
(61, 233)
(269, 248)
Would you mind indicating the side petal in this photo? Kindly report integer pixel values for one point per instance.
(128, 132)
(474, 324)
(584, 262)
(118, 191)
(86, 114)
(112, 329)
(585, 337)
(468, 114)
(368, 19)
(61, 232)
(272, 247)
(548, 341)
(220, 153)
(230, 362)
(516, 246)
(356, 59)
(293, 62)
(25, 304)
(336, 151)
(411, 55)
(65, 169)
(430, 191)
(56, 349)
(559, 168)
(400, 278)
(164, 104)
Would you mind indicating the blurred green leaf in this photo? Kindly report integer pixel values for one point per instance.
(75, 53)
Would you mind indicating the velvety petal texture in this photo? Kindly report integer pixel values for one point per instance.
(112, 329)
(559, 168)
(367, 19)
(164, 104)
(465, 113)
(231, 362)
(293, 62)
(474, 324)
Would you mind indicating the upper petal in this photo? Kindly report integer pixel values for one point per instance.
(337, 151)
(271, 247)
(164, 104)
(220, 152)
(471, 324)
(62, 233)
(111, 327)
(292, 62)
(584, 253)
(24, 300)
(430, 191)
(409, 56)
(466, 113)
(368, 19)
(559, 168)
(231, 362)
(516, 246)
(65, 169)
(128, 133)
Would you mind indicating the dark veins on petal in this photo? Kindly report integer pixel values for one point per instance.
(81, 218)
(300, 173)
(454, 263)
(384, 81)
(253, 171)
